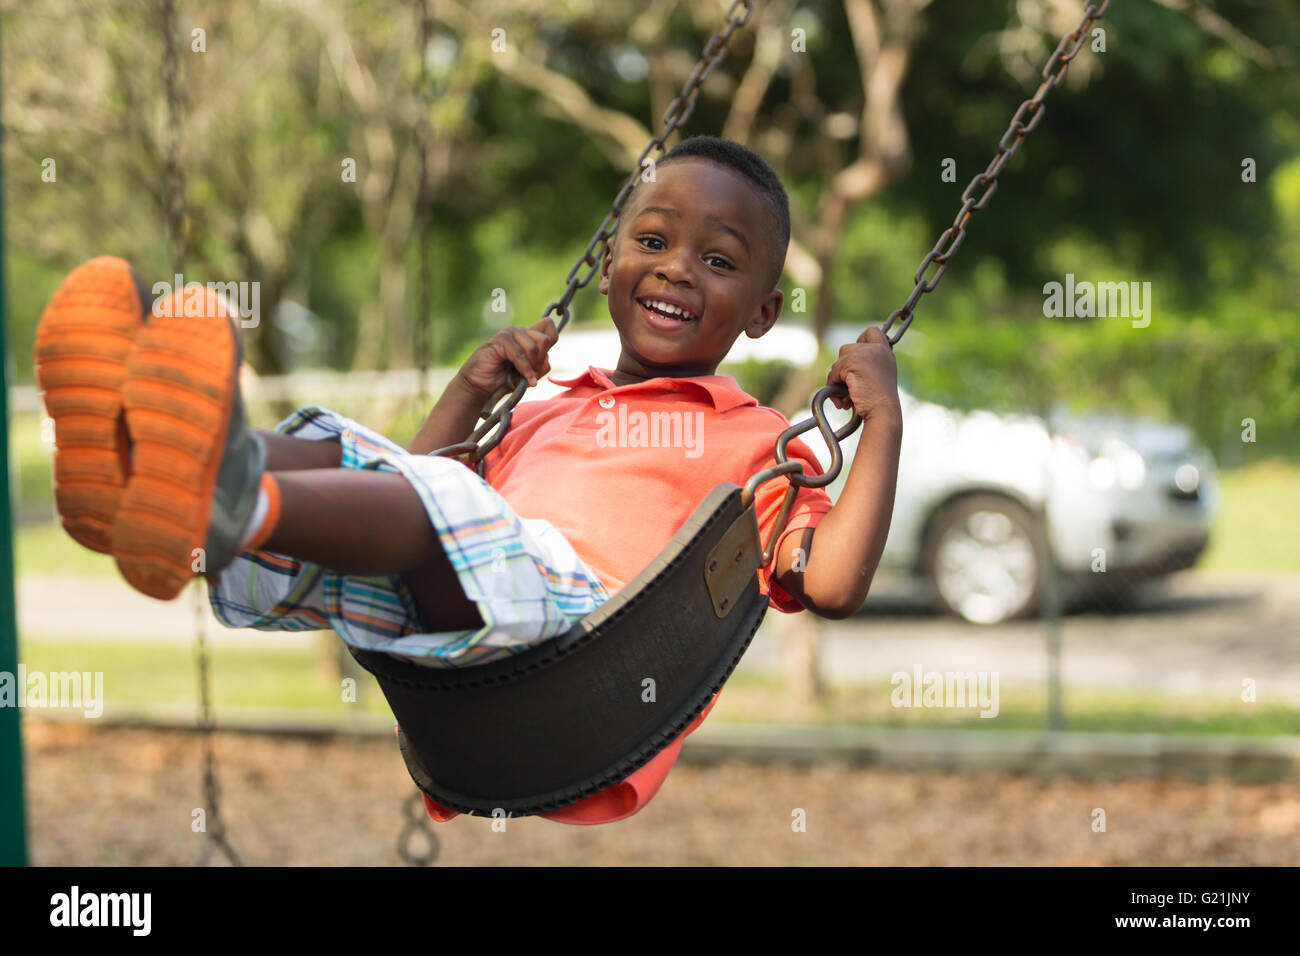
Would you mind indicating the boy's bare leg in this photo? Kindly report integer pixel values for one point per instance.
(286, 453)
(378, 525)
(370, 523)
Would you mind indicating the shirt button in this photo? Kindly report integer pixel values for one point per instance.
(607, 401)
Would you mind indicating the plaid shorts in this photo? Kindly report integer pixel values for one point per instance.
(528, 582)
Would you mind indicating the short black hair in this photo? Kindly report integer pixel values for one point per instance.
(754, 168)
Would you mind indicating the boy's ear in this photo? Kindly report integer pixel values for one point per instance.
(769, 310)
(604, 266)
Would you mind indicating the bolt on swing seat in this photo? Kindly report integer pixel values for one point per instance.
(575, 715)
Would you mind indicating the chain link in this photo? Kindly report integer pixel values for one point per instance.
(417, 824)
(216, 827)
(1053, 73)
(424, 205)
(175, 199)
(497, 412)
(417, 820)
(177, 240)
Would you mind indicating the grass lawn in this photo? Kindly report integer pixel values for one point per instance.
(46, 549)
(761, 700)
(137, 676)
(32, 459)
(161, 674)
(1258, 528)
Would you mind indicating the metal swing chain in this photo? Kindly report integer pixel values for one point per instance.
(175, 199)
(417, 822)
(949, 241)
(176, 212)
(1008, 146)
(216, 827)
(496, 413)
(424, 206)
(417, 819)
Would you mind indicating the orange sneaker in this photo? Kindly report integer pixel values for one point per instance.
(82, 343)
(196, 467)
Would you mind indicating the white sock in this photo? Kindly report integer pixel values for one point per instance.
(259, 515)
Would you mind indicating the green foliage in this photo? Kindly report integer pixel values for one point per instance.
(140, 675)
(1187, 368)
(763, 380)
(1133, 175)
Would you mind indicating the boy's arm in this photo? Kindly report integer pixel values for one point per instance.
(452, 419)
(843, 551)
(850, 537)
(458, 407)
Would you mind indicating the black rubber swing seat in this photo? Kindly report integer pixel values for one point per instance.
(577, 714)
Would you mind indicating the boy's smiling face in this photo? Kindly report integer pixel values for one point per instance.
(699, 238)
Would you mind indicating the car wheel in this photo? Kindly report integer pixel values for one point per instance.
(982, 558)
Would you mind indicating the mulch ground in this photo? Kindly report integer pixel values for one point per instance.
(111, 796)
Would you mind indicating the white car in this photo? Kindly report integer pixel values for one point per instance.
(982, 496)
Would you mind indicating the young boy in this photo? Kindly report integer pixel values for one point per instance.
(324, 523)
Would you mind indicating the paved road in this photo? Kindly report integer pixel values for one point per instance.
(85, 608)
(1196, 632)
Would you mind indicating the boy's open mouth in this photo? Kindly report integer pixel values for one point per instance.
(665, 315)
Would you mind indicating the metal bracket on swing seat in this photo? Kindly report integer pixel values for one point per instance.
(733, 562)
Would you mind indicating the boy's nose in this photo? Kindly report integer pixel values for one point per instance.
(676, 269)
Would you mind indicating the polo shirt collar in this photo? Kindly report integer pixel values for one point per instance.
(723, 390)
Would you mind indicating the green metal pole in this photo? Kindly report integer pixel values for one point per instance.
(13, 821)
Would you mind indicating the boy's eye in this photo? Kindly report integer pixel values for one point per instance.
(711, 259)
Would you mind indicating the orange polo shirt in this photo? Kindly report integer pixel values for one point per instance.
(617, 469)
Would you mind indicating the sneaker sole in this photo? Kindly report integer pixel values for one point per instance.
(178, 393)
(83, 340)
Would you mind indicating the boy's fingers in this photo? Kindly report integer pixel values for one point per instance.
(533, 348)
(833, 374)
(541, 340)
(535, 339)
(834, 377)
(547, 327)
(521, 361)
